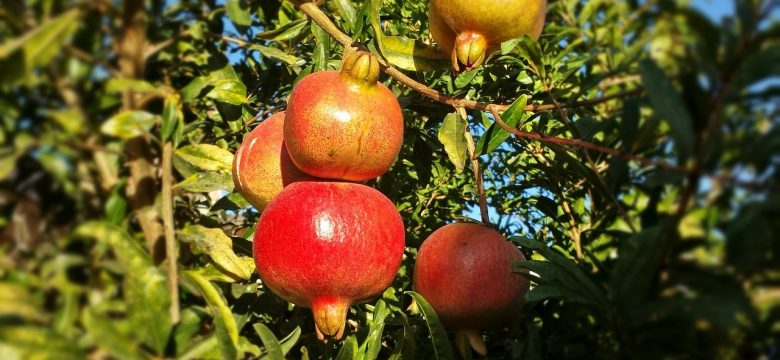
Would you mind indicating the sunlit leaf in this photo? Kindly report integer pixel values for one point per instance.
(452, 134)
(441, 343)
(129, 124)
(206, 157)
(218, 246)
(226, 328)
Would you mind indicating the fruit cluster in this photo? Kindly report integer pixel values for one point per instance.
(325, 241)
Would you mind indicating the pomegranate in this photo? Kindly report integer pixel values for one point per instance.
(464, 270)
(262, 167)
(344, 124)
(326, 245)
(469, 30)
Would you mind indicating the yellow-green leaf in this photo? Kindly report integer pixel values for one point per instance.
(412, 55)
(452, 134)
(129, 124)
(214, 243)
(206, 157)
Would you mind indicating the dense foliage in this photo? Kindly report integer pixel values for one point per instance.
(118, 121)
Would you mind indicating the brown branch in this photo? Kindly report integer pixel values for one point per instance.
(483, 210)
(326, 24)
(170, 239)
(585, 145)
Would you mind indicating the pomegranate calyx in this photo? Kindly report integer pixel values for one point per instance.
(360, 68)
(469, 52)
(330, 317)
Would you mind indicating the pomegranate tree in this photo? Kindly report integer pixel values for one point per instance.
(344, 124)
(464, 271)
(261, 166)
(326, 245)
(470, 30)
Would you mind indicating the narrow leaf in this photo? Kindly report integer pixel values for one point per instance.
(226, 327)
(668, 103)
(495, 135)
(441, 344)
(412, 55)
(272, 347)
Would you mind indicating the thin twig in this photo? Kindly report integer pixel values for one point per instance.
(483, 210)
(170, 239)
(586, 145)
(326, 24)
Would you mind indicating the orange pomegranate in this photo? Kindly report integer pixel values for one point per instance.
(344, 124)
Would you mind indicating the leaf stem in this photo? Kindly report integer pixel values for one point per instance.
(483, 210)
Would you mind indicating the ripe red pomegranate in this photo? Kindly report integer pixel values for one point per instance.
(469, 30)
(326, 245)
(344, 124)
(464, 270)
(262, 167)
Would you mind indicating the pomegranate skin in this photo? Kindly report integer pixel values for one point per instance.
(340, 129)
(464, 270)
(497, 20)
(262, 166)
(326, 245)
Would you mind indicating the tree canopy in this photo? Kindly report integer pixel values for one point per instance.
(631, 152)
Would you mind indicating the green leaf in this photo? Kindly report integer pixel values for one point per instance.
(117, 85)
(531, 50)
(108, 338)
(39, 46)
(145, 287)
(668, 103)
(129, 124)
(347, 12)
(495, 135)
(452, 134)
(286, 344)
(37, 342)
(226, 327)
(321, 49)
(237, 14)
(412, 55)
(194, 88)
(276, 54)
(207, 182)
(638, 260)
(759, 66)
(404, 347)
(441, 344)
(228, 91)
(214, 243)
(377, 325)
(349, 349)
(629, 126)
(272, 347)
(207, 157)
(373, 18)
(284, 32)
(171, 117)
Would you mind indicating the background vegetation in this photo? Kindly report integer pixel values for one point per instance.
(641, 181)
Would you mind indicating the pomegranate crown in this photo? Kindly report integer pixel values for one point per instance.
(360, 67)
(470, 51)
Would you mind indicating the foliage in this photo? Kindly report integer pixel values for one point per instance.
(667, 247)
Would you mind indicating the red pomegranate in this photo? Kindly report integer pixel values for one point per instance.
(262, 167)
(464, 270)
(326, 245)
(344, 124)
(469, 30)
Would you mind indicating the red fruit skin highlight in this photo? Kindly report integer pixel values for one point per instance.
(261, 165)
(327, 245)
(464, 270)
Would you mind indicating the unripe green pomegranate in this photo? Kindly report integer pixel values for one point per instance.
(464, 271)
(344, 124)
(477, 28)
(326, 245)
(262, 167)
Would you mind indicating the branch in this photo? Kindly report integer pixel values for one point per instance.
(170, 239)
(586, 145)
(483, 210)
(324, 22)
